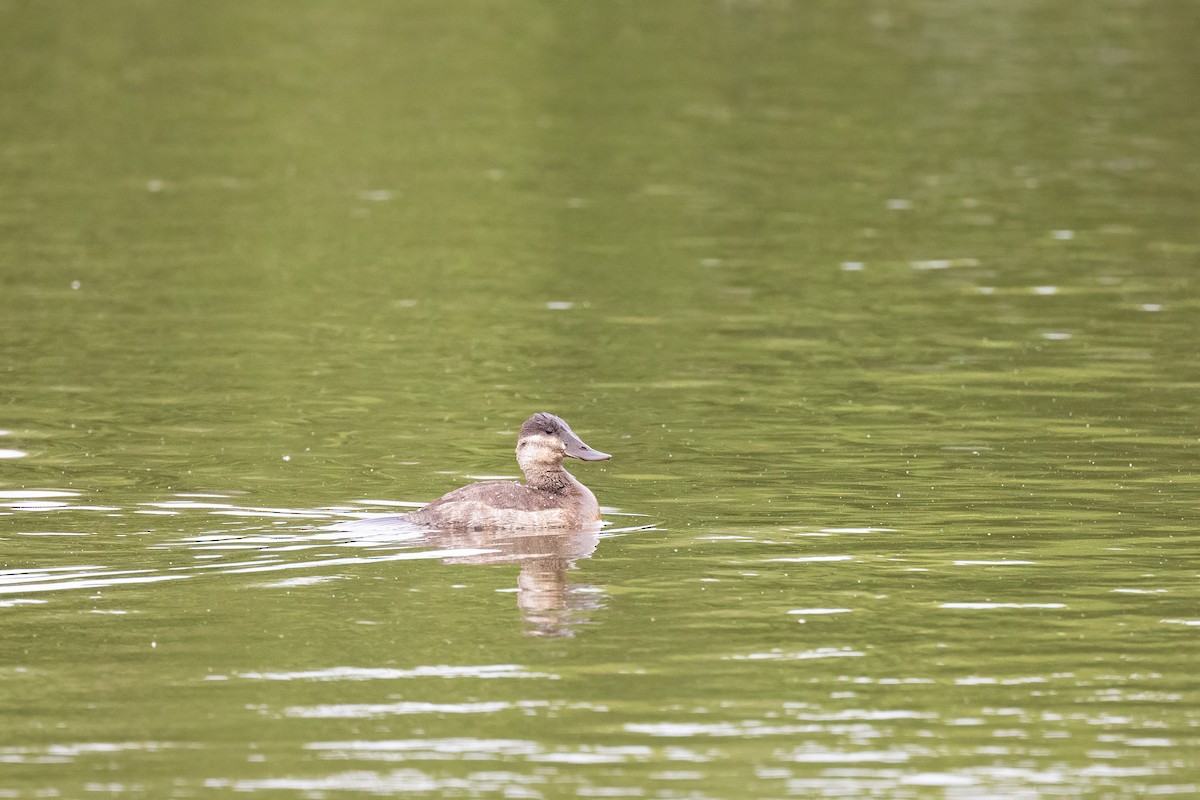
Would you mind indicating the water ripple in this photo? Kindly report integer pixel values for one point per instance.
(373, 710)
(382, 673)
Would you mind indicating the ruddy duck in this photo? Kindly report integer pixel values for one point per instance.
(549, 498)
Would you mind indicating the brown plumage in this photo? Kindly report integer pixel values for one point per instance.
(550, 498)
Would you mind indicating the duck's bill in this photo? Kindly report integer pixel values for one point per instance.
(577, 449)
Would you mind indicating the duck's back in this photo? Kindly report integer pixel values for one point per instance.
(508, 505)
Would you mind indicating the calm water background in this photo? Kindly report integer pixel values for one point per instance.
(886, 310)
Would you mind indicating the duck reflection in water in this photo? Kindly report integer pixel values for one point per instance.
(550, 604)
(544, 525)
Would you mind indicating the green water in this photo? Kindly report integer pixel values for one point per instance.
(887, 312)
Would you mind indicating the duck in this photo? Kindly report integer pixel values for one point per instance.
(550, 498)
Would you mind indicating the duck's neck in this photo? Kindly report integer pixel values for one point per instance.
(549, 478)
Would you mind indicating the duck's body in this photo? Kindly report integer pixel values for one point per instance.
(550, 497)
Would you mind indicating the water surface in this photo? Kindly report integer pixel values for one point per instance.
(887, 315)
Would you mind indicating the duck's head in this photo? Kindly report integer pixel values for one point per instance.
(545, 438)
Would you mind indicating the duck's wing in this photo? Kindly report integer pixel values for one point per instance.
(504, 495)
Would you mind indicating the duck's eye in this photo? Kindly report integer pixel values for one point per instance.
(550, 431)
